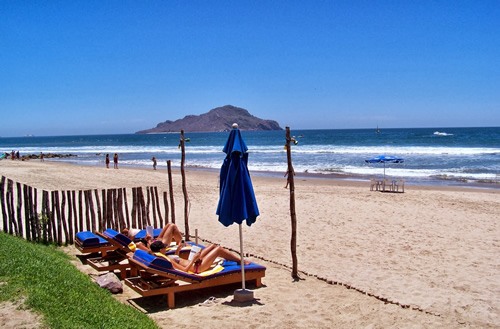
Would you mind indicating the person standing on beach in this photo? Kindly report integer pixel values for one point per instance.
(107, 161)
(115, 160)
(154, 163)
(41, 157)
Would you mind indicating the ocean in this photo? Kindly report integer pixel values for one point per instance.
(451, 156)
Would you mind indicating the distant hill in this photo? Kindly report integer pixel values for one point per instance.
(218, 119)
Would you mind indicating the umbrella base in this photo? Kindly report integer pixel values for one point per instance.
(243, 295)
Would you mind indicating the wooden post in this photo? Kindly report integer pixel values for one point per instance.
(148, 203)
(2, 201)
(293, 215)
(142, 204)
(134, 207)
(70, 217)
(109, 208)
(100, 225)
(52, 212)
(127, 223)
(10, 205)
(153, 206)
(57, 217)
(75, 214)
(165, 205)
(19, 231)
(171, 190)
(27, 210)
(184, 189)
(80, 210)
(35, 214)
(157, 202)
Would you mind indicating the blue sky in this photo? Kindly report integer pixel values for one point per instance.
(105, 67)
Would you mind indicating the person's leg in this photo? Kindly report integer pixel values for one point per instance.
(163, 230)
(172, 232)
(215, 252)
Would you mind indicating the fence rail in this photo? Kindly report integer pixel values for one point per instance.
(55, 216)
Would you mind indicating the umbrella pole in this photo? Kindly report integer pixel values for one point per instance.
(242, 260)
(242, 295)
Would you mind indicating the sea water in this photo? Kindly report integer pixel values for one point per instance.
(431, 155)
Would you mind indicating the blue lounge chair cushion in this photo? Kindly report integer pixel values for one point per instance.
(118, 237)
(88, 239)
(142, 234)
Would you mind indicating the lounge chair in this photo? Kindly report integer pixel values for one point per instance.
(89, 243)
(156, 276)
(116, 260)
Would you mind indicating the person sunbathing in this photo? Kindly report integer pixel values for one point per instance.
(169, 233)
(202, 261)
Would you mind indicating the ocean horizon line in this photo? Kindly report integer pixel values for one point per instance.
(380, 128)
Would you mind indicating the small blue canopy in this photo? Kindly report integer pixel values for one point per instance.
(385, 159)
(237, 198)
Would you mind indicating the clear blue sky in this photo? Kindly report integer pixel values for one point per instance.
(99, 67)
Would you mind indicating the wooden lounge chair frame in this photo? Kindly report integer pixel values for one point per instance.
(151, 282)
(112, 261)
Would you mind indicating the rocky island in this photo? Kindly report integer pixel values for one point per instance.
(217, 119)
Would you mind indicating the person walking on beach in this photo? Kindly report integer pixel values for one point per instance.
(115, 160)
(154, 163)
(107, 161)
(41, 157)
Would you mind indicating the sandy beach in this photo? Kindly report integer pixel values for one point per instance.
(426, 258)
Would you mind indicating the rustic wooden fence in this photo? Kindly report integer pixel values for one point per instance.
(55, 216)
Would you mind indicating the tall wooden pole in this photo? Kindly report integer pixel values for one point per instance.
(293, 215)
(184, 189)
(171, 191)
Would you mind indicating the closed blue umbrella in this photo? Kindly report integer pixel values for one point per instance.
(237, 198)
(385, 159)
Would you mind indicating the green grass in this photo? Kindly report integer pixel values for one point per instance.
(53, 287)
